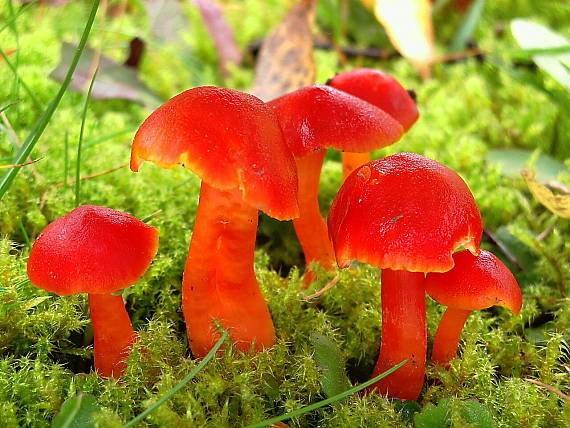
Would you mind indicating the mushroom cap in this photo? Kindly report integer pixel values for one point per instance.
(404, 212)
(475, 282)
(92, 249)
(319, 116)
(381, 90)
(230, 139)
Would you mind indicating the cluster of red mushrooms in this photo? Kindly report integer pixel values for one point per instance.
(405, 214)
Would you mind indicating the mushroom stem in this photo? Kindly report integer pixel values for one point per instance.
(113, 334)
(403, 334)
(351, 161)
(219, 281)
(447, 337)
(310, 227)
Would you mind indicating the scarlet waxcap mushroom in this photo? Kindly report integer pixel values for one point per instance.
(475, 282)
(233, 141)
(379, 89)
(92, 249)
(405, 214)
(230, 139)
(319, 116)
(99, 251)
(383, 91)
(313, 119)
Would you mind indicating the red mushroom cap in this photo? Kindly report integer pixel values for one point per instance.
(92, 250)
(318, 117)
(230, 139)
(404, 212)
(381, 90)
(475, 282)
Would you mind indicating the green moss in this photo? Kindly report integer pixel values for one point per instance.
(467, 109)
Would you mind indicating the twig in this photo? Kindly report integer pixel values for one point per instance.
(550, 388)
(18, 165)
(323, 290)
(504, 249)
(97, 174)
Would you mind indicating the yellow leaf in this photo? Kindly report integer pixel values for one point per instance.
(409, 27)
(285, 61)
(558, 204)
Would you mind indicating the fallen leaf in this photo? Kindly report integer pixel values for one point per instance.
(114, 80)
(534, 36)
(166, 19)
(285, 62)
(221, 33)
(409, 26)
(331, 364)
(558, 204)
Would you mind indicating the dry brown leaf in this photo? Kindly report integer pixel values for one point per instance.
(409, 27)
(286, 62)
(558, 204)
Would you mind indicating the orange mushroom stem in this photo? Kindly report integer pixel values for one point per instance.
(311, 227)
(219, 280)
(113, 334)
(448, 334)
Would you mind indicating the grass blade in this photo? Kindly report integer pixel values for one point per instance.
(468, 25)
(24, 85)
(78, 161)
(180, 384)
(43, 121)
(328, 401)
(14, 17)
(7, 106)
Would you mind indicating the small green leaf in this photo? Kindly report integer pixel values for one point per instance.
(523, 254)
(473, 413)
(407, 409)
(512, 161)
(331, 363)
(530, 35)
(77, 412)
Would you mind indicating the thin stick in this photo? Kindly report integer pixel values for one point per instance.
(550, 388)
(323, 290)
(97, 174)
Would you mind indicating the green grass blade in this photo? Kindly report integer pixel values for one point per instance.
(14, 17)
(78, 161)
(65, 158)
(43, 121)
(328, 401)
(19, 79)
(468, 25)
(180, 384)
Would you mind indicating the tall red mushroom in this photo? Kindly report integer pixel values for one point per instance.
(475, 282)
(99, 251)
(383, 91)
(405, 214)
(316, 118)
(233, 141)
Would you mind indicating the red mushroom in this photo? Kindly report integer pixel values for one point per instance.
(313, 119)
(475, 282)
(383, 91)
(233, 141)
(405, 214)
(99, 251)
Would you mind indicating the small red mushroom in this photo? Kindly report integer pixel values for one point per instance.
(313, 119)
(99, 251)
(232, 140)
(475, 282)
(383, 91)
(405, 214)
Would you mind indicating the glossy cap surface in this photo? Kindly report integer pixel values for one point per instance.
(230, 139)
(404, 212)
(92, 250)
(475, 282)
(318, 117)
(381, 90)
